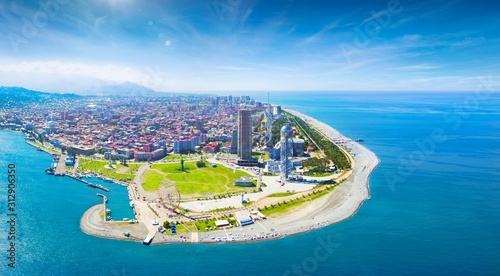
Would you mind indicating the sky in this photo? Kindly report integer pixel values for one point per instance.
(235, 45)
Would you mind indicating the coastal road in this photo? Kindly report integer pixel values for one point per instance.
(150, 196)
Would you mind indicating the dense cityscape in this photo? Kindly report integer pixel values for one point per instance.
(139, 129)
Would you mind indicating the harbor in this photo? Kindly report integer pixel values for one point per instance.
(91, 185)
(118, 203)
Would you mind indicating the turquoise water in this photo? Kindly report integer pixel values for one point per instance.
(118, 200)
(440, 216)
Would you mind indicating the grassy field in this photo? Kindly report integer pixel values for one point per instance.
(46, 147)
(319, 174)
(289, 205)
(209, 224)
(281, 194)
(186, 227)
(126, 171)
(174, 157)
(195, 182)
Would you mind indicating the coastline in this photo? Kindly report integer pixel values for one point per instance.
(340, 204)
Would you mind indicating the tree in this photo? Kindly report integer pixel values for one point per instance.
(71, 151)
(182, 164)
(200, 164)
(166, 224)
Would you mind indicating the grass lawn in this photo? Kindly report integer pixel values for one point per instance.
(281, 194)
(195, 182)
(154, 179)
(283, 207)
(175, 167)
(37, 143)
(189, 225)
(174, 157)
(126, 171)
(319, 174)
(202, 225)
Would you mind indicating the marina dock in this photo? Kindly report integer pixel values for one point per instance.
(92, 185)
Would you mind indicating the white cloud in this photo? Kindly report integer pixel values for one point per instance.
(418, 67)
(320, 33)
(233, 68)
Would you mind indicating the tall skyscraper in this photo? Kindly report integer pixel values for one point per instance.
(245, 134)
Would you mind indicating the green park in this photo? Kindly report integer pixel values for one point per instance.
(121, 171)
(194, 180)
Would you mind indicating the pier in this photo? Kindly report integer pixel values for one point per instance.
(104, 201)
(61, 166)
(92, 185)
(103, 197)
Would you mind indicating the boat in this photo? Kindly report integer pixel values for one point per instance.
(125, 219)
(360, 140)
(39, 149)
(49, 171)
(132, 204)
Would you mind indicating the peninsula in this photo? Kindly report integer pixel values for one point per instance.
(201, 169)
(337, 204)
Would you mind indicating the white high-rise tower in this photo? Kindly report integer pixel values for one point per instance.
(286, 153)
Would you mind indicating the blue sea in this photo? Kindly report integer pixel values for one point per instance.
(434, 208)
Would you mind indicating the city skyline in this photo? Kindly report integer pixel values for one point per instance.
(226, 46)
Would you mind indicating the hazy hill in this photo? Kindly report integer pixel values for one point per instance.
(18, 96)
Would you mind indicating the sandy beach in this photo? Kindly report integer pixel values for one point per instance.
(340, 204)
